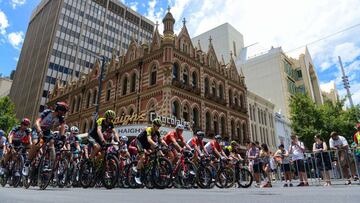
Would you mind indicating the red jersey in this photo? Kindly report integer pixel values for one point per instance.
(195, 142)
(168, 137)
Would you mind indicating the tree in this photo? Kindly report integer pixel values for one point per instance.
(7, 114)
(309, 119)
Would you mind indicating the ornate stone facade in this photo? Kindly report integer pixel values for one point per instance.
(169, 76)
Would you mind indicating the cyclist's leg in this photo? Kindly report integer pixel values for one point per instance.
(141, 155)
(95, 147)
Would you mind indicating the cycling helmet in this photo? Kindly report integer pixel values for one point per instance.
(66, 128)
(110, 114)
(200, 134)
(26, 121)
(233, 142)
(2, 133)
(157, 122)
(217, 137)
(74, 129)
(124, 138)
(61, 106)
(180, 127)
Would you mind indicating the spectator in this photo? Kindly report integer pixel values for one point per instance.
(253, 155)
(2, 150)
(322, 158)
(265, 163)
(282, 157)
(297, 150)
(340, 144)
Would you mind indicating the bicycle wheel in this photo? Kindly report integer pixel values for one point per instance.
(29, 179)
(111, 172)
(86, 173)
(187, 175)
(130, 173)
(17, 171)
(204, 177)
(45, 172)
(245, 178)
(61, 172)
(4, 178)
(225, 178)
(161, 173)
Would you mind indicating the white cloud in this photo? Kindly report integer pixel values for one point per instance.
(328, 86)
(348, 52)
(16, 39)
(133, 5)
(324, 66)
(16, 3)
(4, 23)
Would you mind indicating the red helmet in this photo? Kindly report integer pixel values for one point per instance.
(61, 106)
(26, 121)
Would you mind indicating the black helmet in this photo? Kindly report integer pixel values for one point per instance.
(61, 106)
(200, 134)
(157, 122)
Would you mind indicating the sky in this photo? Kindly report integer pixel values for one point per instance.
(291, 24)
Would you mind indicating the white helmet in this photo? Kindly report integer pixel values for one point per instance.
(180, 127)
(74, 129)
(124, 138)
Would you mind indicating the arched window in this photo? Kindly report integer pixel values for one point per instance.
(175, 71)
(194, 80)
(186, 76)
(108, 91)
(195, 112)
(242, 102)
(232, 129)
(78, 104)
(243, 132)
(207, 122)
(213, 88)
(221, 91)
(88, 98)
(133, 82)
(95, 95)
(223, 126)
(236, 100)
(84, 130)
(186, 113)
(73, 103)
(206, 86)
(153, 75)
(216, 124)
(230, 97)
(124, 85)
(175, 108)
(238, 131)
(131, 111)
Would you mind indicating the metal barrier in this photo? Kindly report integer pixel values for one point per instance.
(319, 167)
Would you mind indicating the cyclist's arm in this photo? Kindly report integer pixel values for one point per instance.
(10, 137)
(37, 125)
(62, 129)
(100, 134)
(148, 137)
(116, 135)
(173, 140)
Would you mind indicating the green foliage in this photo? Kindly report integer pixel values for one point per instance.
(7, 114)
(309, 119)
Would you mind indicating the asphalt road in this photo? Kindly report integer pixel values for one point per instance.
(318, 194)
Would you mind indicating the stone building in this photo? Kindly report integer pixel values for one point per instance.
(170, 77)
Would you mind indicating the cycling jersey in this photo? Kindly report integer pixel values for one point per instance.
(142, 137)
(173, 135)
(20, 136)
(48, 121)
(72, 140)
(195, 142)
(210, 146)
(2, 142)
(106, 129)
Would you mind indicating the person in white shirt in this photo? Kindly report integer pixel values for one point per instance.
(340, 144)
(297, 150)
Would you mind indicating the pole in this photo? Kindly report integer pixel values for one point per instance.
(345, 80)
(99, 89)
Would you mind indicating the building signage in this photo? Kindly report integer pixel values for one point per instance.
(172, 121)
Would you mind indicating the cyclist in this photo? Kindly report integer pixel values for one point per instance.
(49, 119)
(231, 151)
(175, 141)
(19, 135)
(124, 154)
(102, 132)
(197, 143)
(213, 147)
(145, 141)
(73, 142)
(2, 143)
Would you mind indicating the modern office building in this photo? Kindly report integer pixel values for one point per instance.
(276, 77)
(228, 39)
(63, 40)
(5, 85)
(262, 124)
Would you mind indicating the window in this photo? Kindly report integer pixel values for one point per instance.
(230, 97)
(73, 103)
(232, 129)
(108, 91)
(88, 97)
(133, 82)
(175, 71)
(124, 86)
(223, 128)
(221, 91)
(186, 76)
(195, 118)
(153, 76)
(242, 102)
(213, 88)
(186, 113)
(45, 93)
(194, 80)
(238, 132)
(216, 124)
(206, 85)
(207, 122)
(94, 101)
(78, 104)
(175, 108)
(243, 133)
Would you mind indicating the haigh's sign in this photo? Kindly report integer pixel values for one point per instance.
(127, 119)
